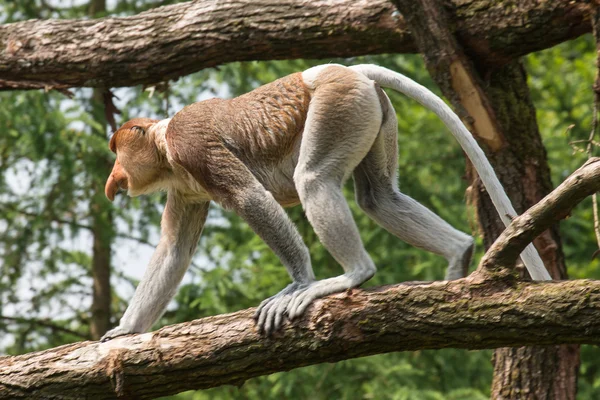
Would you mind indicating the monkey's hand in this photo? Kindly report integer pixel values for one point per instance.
(269, 314)
(116, 332)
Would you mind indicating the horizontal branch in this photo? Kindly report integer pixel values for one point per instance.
(227, 349)
(45, 323)
(173, 41)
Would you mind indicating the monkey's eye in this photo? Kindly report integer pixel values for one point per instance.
(138, 129)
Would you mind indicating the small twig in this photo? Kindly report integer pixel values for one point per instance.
(45, 324)
(110, 109)
(29, 85)
(63, 221)
(586, 141)
(166, 93)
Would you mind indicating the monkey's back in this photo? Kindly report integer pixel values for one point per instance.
(263, 123)
(261, 128)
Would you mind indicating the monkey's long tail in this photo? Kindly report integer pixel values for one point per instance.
(391, 79)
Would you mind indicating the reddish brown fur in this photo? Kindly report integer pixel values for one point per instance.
(138, 162)
(143, 123)
(225, 144)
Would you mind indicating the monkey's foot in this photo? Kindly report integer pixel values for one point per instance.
(459, 266)
(113, 333)
(270, 313)
(304, 297)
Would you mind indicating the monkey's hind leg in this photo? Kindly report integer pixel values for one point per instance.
(342, 123)
(378, 195)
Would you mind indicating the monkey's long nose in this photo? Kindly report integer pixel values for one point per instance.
(111, 188)
(117, 180)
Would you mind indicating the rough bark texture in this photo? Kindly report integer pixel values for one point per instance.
(471, 313)
(496, 103)
(523, 170)
(227, 349)
(173, 41)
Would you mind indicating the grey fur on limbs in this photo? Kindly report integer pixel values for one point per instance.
(295, 140)
(360, 137)
(181, 226)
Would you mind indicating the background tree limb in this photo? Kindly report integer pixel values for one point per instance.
(172, 41)
(556, 206)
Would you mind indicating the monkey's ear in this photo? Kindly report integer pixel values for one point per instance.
(139, 129)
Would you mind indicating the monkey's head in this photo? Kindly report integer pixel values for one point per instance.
(139, 163)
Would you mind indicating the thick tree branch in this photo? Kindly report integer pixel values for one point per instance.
(451, 68)
(173, 41)
(471, 313)
(227, 349)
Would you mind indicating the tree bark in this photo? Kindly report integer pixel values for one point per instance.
(523, 169)
(101, 290)
(227, 349)
(101, 228)
(495, 102)
(173, 41)
(471, 313)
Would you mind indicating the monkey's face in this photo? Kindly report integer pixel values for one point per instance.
(138, 163)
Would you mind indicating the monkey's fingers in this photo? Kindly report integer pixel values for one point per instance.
(261, 306)
(289, 289)
(304, 298)
(113, 333)
(301, 301)
(264, 315)
(280, 311)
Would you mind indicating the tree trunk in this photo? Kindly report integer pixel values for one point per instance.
(102, 228)
(172, 41)
(227, 349)
(496, 103)
(530, 372)
(102, 218)
(101, 263)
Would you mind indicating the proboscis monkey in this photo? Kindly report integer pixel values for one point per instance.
(295, 140)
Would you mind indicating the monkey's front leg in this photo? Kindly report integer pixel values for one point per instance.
(181, 225)
(268, 219)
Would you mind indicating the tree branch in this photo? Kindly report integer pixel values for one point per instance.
(173, 41)
(53, 218)
(46, 324)
(552, 208)
(471, 313)
(227, 349)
